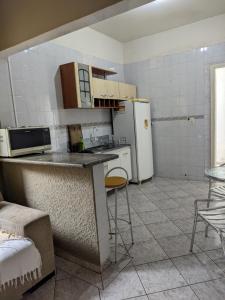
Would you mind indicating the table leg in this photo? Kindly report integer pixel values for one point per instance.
(209, 198)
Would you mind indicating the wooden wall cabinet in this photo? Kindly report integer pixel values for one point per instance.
(86, 86)
(127, 91)
(76, 81)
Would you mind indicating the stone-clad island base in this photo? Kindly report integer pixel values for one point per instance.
(70, 188)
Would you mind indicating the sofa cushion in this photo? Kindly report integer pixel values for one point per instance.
(18, 258)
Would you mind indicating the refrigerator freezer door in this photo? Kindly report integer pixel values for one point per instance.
(142, 115)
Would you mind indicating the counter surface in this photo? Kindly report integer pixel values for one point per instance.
(80, 160)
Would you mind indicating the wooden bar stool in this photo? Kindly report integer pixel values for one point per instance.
(115, 183)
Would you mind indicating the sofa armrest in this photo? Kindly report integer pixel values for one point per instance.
(33, 224)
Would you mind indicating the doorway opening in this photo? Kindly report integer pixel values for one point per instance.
(218, 115)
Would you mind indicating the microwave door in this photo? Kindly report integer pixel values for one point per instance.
(23, 140)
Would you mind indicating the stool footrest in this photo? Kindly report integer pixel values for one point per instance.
(122, 220)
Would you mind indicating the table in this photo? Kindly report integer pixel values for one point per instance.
(217, 173)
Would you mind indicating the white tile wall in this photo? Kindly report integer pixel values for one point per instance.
(37, 90)
(178, 85)
(6, 107)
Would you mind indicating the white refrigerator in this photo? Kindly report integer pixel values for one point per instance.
(135, 125)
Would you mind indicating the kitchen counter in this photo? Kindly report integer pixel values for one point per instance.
(80, 160)
(70, 187)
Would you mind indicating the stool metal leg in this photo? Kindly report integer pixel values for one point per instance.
(116, 227)
(129, 214)
(110, 227)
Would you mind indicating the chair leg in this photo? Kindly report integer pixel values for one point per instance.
(116, 226)
(222, 242)
(194, 229)
(129, 214)
(209, 198)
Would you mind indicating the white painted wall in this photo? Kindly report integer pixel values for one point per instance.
(203, 33)
(91, 42)
(220, 116)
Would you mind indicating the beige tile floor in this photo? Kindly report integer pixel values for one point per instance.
(162, 267)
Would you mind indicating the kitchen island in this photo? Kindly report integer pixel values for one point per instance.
(70, 188)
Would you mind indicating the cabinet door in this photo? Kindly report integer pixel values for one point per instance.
(123, 91)
(127, 91)
(70, 88)
(112, 89)
(84, 86)
(76, 85)
(132, 91)
(99, 88)
(125, 159)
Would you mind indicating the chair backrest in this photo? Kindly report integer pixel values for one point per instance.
(118, 168)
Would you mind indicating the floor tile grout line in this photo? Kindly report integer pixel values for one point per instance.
(132, 298)
(190, 285)
(206, 238)
(73, 276)
(187, 284)
(195, 254)
(194, 292)
(164, 236)
(181, 274)
(178, 256)
(205, 252)
(77, 277)
(140, 279)
(180, 287)
(210, 280)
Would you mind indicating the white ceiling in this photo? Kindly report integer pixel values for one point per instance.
(157, 16)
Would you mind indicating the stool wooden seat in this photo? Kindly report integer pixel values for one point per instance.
(113, 182)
